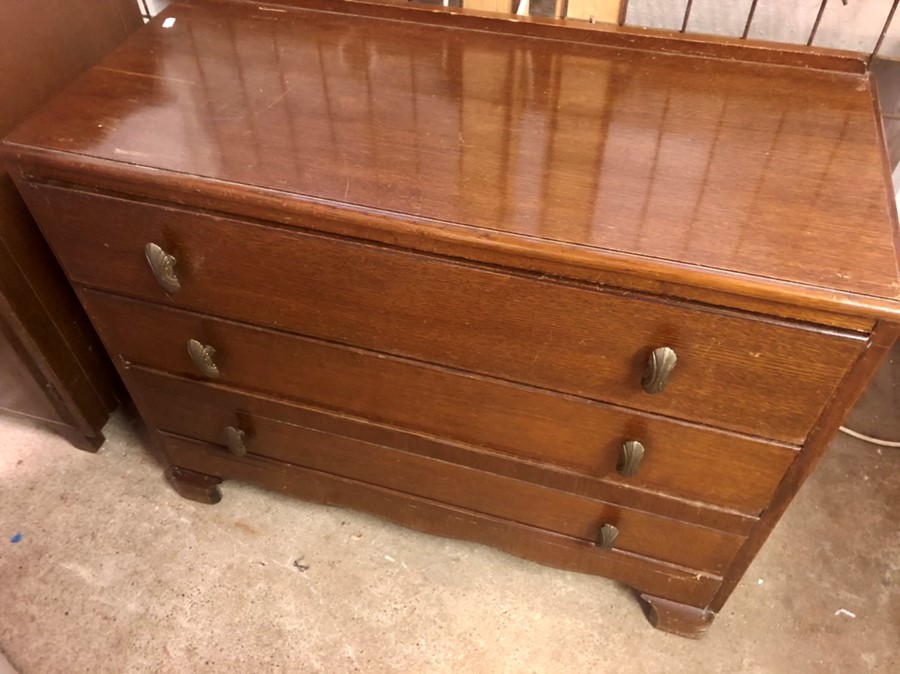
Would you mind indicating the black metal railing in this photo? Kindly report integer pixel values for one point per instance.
(810, 35)
(561, 8)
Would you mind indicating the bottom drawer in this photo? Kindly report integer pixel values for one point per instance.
(640, 533)
(549, 548)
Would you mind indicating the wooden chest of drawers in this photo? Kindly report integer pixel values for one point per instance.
(599, 299)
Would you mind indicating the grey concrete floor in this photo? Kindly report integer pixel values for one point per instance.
(116, 573)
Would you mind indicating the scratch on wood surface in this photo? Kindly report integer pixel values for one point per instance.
(280, 97)
(148, 75)
(128, 153)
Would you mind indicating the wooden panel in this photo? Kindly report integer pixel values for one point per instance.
(503, 6)
(507, 418)
(584, 342)
(767, 213)
(566, 168)
(639, 533)
(606, 11)
(62, 375)
(433, 517)
(20, 391)
(57, 338)
(680, 460)
(43, 47)
(883, 338)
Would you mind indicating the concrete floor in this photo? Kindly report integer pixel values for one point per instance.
(116, 573)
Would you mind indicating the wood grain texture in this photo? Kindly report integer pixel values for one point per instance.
(22, 391)
(679, 138)
(640, 533)
(524, 422)
(432, 251)
(677, 618)
(42, 47)
(879, 347)
(504, 6)
(612, 270)
(194, 486)
(688, 586)
(680, 462)
(570, 339)
(73, 390)
(491, 250)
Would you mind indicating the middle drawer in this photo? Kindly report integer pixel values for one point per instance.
(681, 459)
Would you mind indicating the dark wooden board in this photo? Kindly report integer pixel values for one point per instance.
(565, 338)
(686, 585)
(717, 172)
(54, 368)
(646, 534)
(674, 477)
(516, 420)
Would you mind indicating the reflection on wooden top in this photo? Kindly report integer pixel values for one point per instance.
(768, 171)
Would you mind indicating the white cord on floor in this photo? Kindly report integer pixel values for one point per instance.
(869, 438)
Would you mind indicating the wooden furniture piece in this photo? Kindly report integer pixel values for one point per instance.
(606, 11)
(597, 297)
(52, 366)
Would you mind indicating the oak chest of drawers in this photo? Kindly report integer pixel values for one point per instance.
(596, 298)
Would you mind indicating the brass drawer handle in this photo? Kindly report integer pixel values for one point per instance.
(203, 358)
(607, 537)
(234, 440)
(163, 266)
(658, 370)
(630, 456)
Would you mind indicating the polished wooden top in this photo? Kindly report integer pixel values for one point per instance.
(769, 172)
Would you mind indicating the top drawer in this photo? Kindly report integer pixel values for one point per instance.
(766, 378)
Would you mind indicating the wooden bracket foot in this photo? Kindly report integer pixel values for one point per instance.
(195, 486)
(86, 443)
(680, 619)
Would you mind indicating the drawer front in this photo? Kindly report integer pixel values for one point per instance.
(639, 532)
(680, 459)
(764, 378)
(203, 411)
(684, 585)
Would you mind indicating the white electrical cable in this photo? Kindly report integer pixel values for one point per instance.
(869, 438)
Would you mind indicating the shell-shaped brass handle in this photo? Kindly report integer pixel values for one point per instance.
(163, 266)
(659, 368)
(630, 456)
(607, 536)
(203, 358)
(234, 440)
